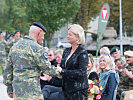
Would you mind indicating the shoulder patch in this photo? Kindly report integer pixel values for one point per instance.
(45, 55)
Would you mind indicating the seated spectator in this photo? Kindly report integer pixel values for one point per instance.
(51, 57)
(126, 75)
(52, 92)
(53, 61)
(109, 78)
(92, 78)
(58, 56)
(116, 54)
(104, 51)
(91, 70)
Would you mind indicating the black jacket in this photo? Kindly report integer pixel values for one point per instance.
(74, 71)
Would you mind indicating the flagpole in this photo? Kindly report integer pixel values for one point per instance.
(120, 20)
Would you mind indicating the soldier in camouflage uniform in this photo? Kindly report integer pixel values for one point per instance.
(3, 52)
(126, 75)
(14, 40)
(116, 54)
(10, 37)
(26, 60)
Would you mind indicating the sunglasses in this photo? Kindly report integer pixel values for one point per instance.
(50, 55)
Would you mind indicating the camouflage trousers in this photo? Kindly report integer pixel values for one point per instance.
(3, 63)
(127, 95)
(119, 93)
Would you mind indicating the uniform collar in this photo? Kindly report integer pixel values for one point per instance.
(30, 38)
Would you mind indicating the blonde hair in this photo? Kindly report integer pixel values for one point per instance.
(78, 30)
(105, 49)
(109, 61)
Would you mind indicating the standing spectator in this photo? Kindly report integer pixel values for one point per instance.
(26, 60)
(3, 52)
(109, 78)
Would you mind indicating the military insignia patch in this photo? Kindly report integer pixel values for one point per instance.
(45, 55)
(117, 50)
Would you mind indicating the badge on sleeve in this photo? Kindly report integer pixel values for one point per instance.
(45, 55)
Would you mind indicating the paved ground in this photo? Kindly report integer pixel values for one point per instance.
(3, 93)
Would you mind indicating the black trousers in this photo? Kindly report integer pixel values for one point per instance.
(52, 93)
(78, 95)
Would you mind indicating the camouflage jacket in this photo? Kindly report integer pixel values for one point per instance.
(125, 82)
(12, 42)
(26, 59)
(3, 48)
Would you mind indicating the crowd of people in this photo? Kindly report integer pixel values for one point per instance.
(33, 72)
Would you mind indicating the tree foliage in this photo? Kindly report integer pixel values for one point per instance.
(88, 10)
(53, 14)
(12, 16)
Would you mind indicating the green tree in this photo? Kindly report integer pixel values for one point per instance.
(53, 14)
(12, 16)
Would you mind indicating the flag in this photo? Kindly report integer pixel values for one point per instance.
(103, 20)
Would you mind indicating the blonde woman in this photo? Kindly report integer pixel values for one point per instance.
(109, 78)
(73, 67)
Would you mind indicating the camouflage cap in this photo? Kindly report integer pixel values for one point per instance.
(128, 53)
(39, 25)
(114, 49)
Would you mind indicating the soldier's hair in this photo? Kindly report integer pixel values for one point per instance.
(78, 30)
(34, 29)
(109, 62)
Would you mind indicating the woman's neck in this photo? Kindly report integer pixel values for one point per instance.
(74, 47)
